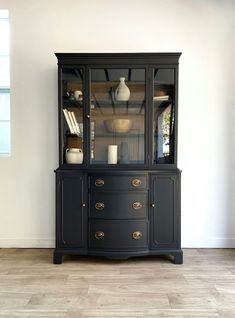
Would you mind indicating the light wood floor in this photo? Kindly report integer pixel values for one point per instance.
(31, 286)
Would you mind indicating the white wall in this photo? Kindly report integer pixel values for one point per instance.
(202, 29)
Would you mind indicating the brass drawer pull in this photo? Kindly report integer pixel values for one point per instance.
(99, 235)
(136, 205)
(99, 206)
(99, 182)
(136, 235)
(136, 182)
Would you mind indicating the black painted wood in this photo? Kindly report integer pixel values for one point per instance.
(77, 220)
(124, 182)
(118, 205)
(178, 257)
(57, 257)
(118, 234)
(70, 210)
(117, 58)
(164, 197)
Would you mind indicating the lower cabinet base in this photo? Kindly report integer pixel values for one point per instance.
(59, 253)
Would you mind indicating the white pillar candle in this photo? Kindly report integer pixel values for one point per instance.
(112, 154)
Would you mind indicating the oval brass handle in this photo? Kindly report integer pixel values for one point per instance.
(136, 235)
(83, 204)
(137, 205)
(99, 182)
(152, 205)
(136, 182)
(99, 205)
(99, 235)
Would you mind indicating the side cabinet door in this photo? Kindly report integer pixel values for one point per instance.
(71, 214)
(164, 194)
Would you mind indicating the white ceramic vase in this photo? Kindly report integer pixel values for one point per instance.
(74, 155)
(122, 92)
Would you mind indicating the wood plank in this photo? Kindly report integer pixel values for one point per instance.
(82, 287)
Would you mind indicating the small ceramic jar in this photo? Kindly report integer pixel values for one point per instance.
(74, 155)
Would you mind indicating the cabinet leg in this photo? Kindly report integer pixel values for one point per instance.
(178, 257)
(57, 258)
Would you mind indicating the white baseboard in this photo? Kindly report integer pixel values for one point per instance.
(208, 242)
(13, 242)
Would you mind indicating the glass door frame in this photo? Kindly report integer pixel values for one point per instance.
(61, 67)
(151, 69)
(146, 122)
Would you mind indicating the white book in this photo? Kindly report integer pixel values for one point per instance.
(76, 123)
(72, 122)
(66, 115)
(161, 98)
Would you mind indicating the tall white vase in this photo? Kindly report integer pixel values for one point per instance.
(122, 92)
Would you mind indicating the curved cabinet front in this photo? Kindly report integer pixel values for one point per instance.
(121, 205)
(117, 182)
(114, 235)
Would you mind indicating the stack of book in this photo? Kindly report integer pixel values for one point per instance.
(72, 122)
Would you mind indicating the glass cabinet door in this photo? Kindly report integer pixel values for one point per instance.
(163, 116)
(72, 115)
(117, 116)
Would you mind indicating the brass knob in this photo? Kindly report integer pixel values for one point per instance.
(136, 235)
(99, 182)
(137, 205)
(83, 204)
(99, 235)
(136, 182)
(88, 116)
(99, 205)
(152, 205)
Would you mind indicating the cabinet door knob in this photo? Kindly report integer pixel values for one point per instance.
(88, 116)
(152, 205)
(99, 206)
(99, 235)
(83, 204)
(137, 205)
(136, 235)
(99, 182)
(136, 182)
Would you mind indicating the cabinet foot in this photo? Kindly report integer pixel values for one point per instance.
(57, 258)
(178, 257)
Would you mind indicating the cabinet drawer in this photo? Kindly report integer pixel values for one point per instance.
(117, 182)
(113, 205)
(117, 234)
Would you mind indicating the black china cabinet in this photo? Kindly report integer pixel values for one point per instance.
(117, 184)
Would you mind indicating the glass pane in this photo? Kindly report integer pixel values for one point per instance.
(4, 71)
(4, 106)
(4, 137)
(163, 121)
(4, 36)
(72, 99)
(117, 116)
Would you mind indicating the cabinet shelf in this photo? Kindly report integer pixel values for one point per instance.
(116, 135)
(72, 103)
(131, 162)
